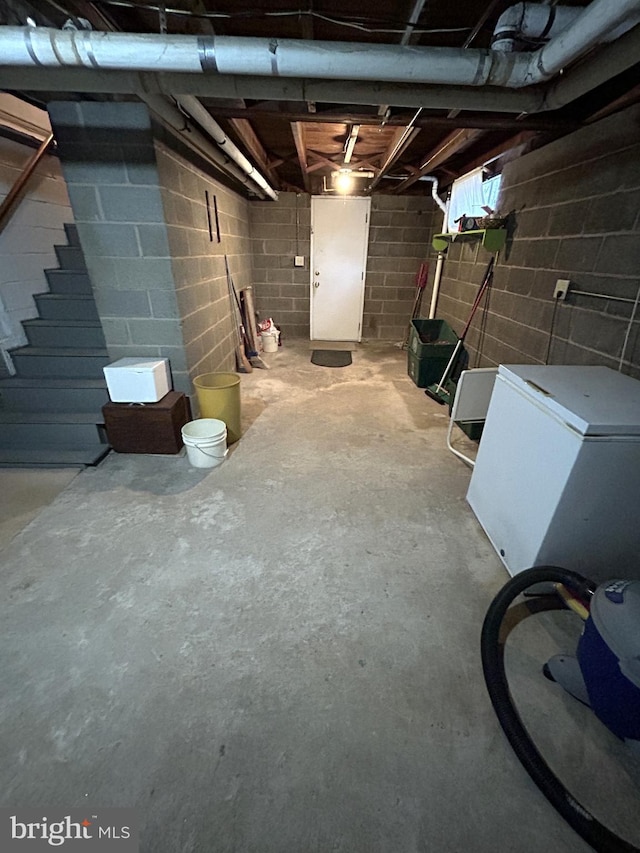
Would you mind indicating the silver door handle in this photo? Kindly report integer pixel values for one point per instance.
(316, 284)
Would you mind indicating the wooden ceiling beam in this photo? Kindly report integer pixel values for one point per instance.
(297, 129)
(251, 142)
(487, 122)
(452, 144)
(321, 161)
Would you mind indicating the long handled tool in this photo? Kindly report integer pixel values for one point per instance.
(242, 362)
(438, 392)
(248, 346)
(421, 282)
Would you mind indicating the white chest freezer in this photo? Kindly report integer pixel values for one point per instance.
(138, 380)
(557, 476)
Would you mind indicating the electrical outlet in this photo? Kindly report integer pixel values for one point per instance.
(562, 288)
(298, 261)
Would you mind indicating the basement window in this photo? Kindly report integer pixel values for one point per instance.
(470, 194)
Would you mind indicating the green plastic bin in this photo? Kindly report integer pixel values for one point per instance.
(431, 345)
(219, 398)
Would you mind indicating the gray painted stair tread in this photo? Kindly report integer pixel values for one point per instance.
(54, 456)
(10, 417)
(60, 351)
(38, 321)
(58, 297)
(51, 382)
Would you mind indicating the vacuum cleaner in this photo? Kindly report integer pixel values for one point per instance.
(604, 674)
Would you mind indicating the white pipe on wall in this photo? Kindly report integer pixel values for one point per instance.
(436, 285)
(172, 117)
(195, 109)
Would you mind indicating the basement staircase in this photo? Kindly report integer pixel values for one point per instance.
(51, 410)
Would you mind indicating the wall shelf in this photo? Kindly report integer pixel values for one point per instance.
(492, 239)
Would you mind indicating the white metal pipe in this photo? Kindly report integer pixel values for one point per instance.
(434, 191)
(531, 20)
(172, 117)
(436, 285)
(599, 20)
(195, 109)
(48, 48)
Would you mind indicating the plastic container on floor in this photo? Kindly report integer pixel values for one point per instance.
(219, 397)
(206, 442)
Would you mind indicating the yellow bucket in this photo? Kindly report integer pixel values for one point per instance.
(219, 398)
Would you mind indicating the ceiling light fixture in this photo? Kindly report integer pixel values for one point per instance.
(343, 181)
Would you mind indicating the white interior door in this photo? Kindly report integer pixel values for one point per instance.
(339, 242)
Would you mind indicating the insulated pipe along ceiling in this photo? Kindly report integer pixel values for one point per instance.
(195, 109)
(25, 46)
(174, 119)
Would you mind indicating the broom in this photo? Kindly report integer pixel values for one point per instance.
(438, 392)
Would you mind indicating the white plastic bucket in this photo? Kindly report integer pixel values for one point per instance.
(206, 442)
(269, 341)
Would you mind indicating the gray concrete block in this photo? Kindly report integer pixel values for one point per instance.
(620, 255)
(116, 331)
(150, 274)
(106, 239)
(84, 203)
(153, 240)
(93, 165)
(155, 331)
(124, 115)
(122, 303)
(613, 212)
(579, 253)
(568, 219)
(131, 204)
(163, 303)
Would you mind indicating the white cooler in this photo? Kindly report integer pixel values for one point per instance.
(138, 380)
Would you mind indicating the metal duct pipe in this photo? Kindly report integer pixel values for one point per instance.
(48, 48)
(195, 109)
(172, 117)
(533, 21)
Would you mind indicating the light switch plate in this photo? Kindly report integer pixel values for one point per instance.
(298, 261)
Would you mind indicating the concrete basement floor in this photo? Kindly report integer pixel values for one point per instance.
(281, 655)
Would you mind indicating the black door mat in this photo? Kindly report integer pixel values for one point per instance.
(330, 358)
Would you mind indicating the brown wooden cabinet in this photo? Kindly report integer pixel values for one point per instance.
(147, 427)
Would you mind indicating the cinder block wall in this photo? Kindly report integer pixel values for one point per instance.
(158, 273)
(108, 159)
(399, 241)
(574, 214)
(399, 237)
(198, 244)
(281, 230)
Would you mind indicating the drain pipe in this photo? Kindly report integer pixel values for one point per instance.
(175, 120)
(194, 108)
(531, 21)
(441, 256)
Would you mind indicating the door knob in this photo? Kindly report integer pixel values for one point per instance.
(316, 284)
(317, 272)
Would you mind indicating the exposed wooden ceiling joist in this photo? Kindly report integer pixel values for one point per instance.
(455, 142)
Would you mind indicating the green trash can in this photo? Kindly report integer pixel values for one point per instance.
(219, 397)
(431, 345)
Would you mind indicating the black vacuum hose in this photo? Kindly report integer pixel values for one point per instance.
(584, 823)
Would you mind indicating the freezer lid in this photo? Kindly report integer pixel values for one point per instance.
(593, 400)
